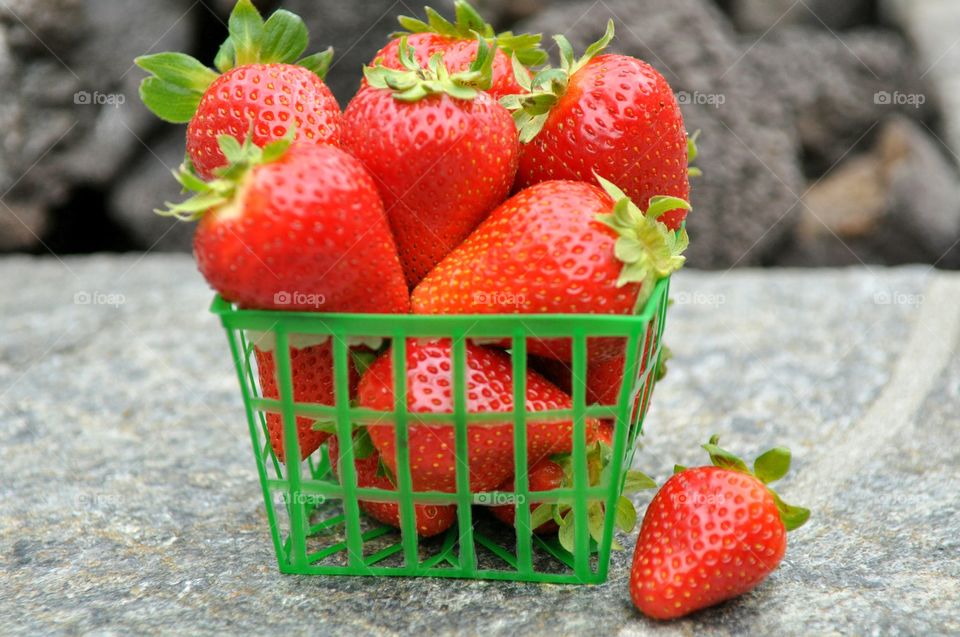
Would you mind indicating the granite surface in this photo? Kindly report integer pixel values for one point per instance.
(129, 502)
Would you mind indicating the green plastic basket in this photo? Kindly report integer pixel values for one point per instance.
(315, 521)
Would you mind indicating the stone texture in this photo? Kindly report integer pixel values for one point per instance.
(70, 112)
(130, 502)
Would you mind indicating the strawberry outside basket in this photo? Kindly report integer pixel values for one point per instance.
(315, 521)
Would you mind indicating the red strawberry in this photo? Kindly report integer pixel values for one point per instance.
(298, 228)
(489, 389)
(311, 367)
(443, 153)
(712, 533)
(560, 247)
(431, 519)
(557, 473)
(458, 44)
(546, 475)
(611, 115)
(265, 89)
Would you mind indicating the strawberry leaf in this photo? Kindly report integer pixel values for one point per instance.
(178, 69)
(246, 31)
(793, 517)
(626, 515)
(637, 481)
(209, 195)
(594, 520)
(541, 515)
(168, 101)
(326, 426)
(566, 535)
(648, 249)
(413, 82)
(362, 444)
(692, 153)
(723, 458)
(470, 24)
(772, 465)
(318, 63)
(285, 38)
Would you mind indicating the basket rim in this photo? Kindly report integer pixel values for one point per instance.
(232, 316)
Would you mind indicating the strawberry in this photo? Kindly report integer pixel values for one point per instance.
(265, 88)
(604, 378)
(559, 247)
(712, 533)
(558, 516)
(489, 389)
(311, 367)
(312, 383)
(458, 44)
(431, 519)
(294, 227)
(443, 152)
(611, 115)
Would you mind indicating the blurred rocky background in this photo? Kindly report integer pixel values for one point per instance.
(830, 128)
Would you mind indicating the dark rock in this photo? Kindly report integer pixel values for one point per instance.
(70, 112)
(836, 90)
(761, 15)
(144, 187)
(748, 147)
(900, 203)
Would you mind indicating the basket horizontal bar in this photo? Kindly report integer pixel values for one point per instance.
(485, 498)
(362, 415)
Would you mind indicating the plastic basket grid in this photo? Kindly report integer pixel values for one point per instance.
(315, 520)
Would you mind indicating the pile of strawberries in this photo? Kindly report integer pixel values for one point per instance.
(464, 177)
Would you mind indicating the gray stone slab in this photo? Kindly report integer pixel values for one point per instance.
(129, 501)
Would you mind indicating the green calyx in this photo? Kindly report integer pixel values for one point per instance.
(223, 189)
(692, 153)
(414, 82)
(178, 81)
(769, 467)
(648, 249)
(531, 109)
(469, 24)
(599, 469)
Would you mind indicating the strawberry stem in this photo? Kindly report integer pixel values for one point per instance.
(530, 110)
(648, 249)
(469, 24)
(241, 158)
(769, 467)
(414, 82)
